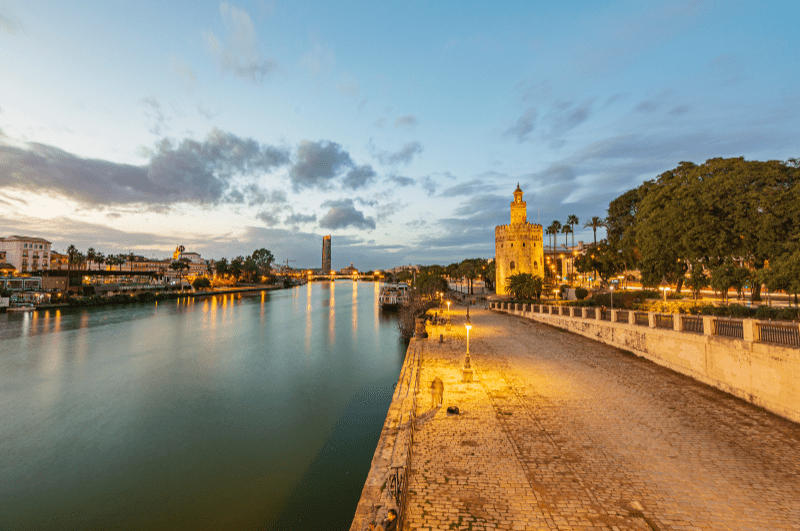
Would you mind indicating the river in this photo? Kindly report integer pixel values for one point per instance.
(245, 411)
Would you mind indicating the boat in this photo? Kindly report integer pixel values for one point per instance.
(393, 296)
(25, 308)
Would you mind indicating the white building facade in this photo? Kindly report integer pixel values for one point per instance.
(25, 253)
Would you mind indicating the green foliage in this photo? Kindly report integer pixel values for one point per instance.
(525, 286)
(581, 293)
(201, 283)
(729, 275)
(783, 273)
(428, 283)
(602, 258)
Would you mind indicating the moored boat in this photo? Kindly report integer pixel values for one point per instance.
(392, 296)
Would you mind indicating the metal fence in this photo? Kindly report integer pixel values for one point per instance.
(692, 324)
(728, 328)
(622, 316)
(642, 319)
(664, 320)
(605, 315)
(780, 333)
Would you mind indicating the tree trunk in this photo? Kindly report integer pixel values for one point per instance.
(755, 292)
(679, 285)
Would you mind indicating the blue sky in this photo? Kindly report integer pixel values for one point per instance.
(399, 128)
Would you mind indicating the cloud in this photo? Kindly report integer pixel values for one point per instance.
(348, 85)
(358, 177)
(380, 123)
(647, 106)
(6, 25)
(270, 218)
(405, 155)
(523, 127)
(679, 110)
(295, 218)
(401, 181)
(190, 172)
(408, 122)
(154, 114)
(319, 61)
(205, 111)
(239, 53)
(184, 71)
(318, 164)
(343, 214)
(475, 186)
(569, 117)
(429, 184)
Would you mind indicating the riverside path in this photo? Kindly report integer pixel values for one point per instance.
(561, 432)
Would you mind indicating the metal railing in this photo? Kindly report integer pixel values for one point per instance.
(692, 324)
(622, 316)
(728, 328)
(642, 319)
(780, 333)
(664, 320)
(605, 315)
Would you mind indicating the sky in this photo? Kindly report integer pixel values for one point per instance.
(400, 128)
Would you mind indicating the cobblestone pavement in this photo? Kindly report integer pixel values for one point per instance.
(561, 432)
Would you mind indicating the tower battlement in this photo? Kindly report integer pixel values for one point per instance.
(518, 246)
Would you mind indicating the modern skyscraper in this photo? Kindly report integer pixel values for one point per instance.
(326, 254)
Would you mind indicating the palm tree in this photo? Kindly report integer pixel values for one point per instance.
(72, 251)
(595, 223)
(572, 220)
(130, 259)
(565, 230)
(91, 256)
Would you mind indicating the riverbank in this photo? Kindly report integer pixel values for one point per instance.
(113, 300)
(558, 431)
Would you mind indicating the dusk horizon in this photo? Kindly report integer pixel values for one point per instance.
(401, 130)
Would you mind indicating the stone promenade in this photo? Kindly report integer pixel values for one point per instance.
(560, 432)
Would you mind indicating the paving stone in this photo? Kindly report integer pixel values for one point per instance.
(559, 432)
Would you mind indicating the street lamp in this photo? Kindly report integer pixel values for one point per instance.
(448, 312)
(612, 297)
(466, 372)
(665, 288)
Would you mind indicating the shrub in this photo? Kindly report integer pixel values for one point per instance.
(581, 293)
(201, 282)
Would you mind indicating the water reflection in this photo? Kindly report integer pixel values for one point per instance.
(208, 412)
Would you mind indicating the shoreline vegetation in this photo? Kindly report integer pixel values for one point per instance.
(145, 297)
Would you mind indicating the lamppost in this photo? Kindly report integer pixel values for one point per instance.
(612, 297)
(466, 372)
(448, 313)
(664, 288)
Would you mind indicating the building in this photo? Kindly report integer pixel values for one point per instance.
(518, 245)
(26, 254)
(348, 270)
(326, 254)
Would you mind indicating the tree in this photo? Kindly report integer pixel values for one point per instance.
(237, 268)
(572, 220)
(263, 259)
(697, 279)
(783, 274)
(555, 228)
(602, 258)
(250, 269)
(180, 266)
(595, 223)
(525, 286)
(428, 283)
(91, 257)
(729, 275)
(122, 259)
(222, 266)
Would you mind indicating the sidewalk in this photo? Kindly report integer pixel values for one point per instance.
(560, 432)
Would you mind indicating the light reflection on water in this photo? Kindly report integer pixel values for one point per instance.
(195, 413)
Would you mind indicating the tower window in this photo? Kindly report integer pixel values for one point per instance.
(511, 266)
(536, 265)
(512, 245)
(523, 244)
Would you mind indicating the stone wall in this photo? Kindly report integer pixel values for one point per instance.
(764, 374)
(393, 445)
(522, 244)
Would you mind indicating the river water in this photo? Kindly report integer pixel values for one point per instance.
(257, 411)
